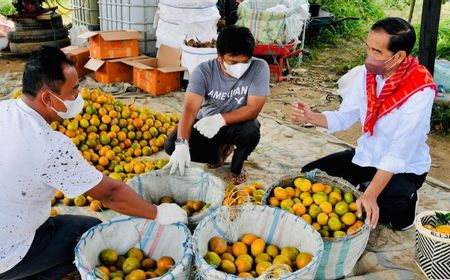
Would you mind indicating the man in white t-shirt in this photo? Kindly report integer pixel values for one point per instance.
(35, 161)
(393, 97)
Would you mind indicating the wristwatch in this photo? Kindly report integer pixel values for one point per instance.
(181, 141)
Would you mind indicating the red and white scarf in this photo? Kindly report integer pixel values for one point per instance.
(410, 78)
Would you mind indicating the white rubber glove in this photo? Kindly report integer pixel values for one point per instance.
(179, 159)
(170, 213)
(209, 126)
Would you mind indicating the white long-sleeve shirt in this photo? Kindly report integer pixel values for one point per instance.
(398, 144)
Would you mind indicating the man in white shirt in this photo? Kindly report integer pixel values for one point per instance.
(35, 161)
(393, 97)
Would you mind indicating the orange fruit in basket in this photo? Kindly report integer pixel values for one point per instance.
(228, 266)
(137, 274)
(148, 263)
(299, 209)
(245, 275)
(280, 193)
(303, 259)
(262, 266)
(353, 207)
(348, 219)
(429, 227)
(328, 189)
(307, 218)
(322, 219)
(290, 252)
(108, 256)
(218, 245)
(317, 187)
(290, 191)
(272, 251)
(337, 196)
(352, 229)
(160, 272)
(281, 259)
(248, 238)
(165, 263)
(326, 207)
(258, 246)
(302, 184)
(244, 263)
(136, 253)
(341, 208)
(334, 224)
(316, 226)
(274, 202)
(213, 259)
(239, 248)
(263, 257)
(308, 201)
(443, 229)
(228, 256)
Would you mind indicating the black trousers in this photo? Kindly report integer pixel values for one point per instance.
(396, 202)
(245, 136)
(51, 254)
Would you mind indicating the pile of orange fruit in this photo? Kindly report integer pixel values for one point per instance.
(134, 265)
(329, 210)
(112, 135)
(250, 193)
(80, 201)
(251, 256)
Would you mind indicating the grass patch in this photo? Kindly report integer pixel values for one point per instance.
(443, 42)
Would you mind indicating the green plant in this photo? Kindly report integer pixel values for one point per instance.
(6, 8)
(443, 219)
(368, 11)
(440, 118)
(443, 42)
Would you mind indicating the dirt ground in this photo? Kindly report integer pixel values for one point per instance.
(315, 84)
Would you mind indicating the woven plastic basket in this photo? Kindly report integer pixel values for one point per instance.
(432, 248)
(340, 254)
(273, 225)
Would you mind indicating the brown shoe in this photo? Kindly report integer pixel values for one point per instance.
(238, 179)
(224, 151)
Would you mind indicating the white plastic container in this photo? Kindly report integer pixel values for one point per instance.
(85, 13)
(181, 19)
(135, 15)
(191, 57)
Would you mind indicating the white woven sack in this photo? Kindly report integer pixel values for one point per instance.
(273, 225)
(196, 184)
(192, 57)
(182, 11)
(123, 233)
(173, 33)
(432, 248)
(340, 256)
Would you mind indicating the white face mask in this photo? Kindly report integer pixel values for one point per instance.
(73, 107)
(236, 70)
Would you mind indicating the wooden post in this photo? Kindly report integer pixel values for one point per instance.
(429, 32)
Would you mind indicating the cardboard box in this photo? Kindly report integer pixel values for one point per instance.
(158, 75)
(112, 44)
(112, 71)
(79, 56)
